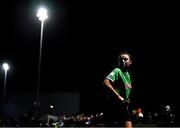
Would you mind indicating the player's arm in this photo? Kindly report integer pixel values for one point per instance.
(108, 84)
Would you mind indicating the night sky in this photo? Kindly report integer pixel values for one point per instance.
(81, 41)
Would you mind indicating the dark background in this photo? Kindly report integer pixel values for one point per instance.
(80, 45)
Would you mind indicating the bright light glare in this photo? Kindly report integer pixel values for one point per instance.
(5, 66)
(51, 106)
(42, 14)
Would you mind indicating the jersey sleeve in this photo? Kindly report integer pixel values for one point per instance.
(113, 75)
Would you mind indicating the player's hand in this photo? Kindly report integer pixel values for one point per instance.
(126, 101)
(121, 98)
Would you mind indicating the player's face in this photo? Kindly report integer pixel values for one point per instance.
(125, 60)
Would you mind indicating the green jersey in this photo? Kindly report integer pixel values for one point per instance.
(121, 82)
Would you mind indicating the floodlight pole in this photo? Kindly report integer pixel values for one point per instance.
(42, 14)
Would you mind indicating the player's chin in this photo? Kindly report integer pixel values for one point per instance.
(124, 66)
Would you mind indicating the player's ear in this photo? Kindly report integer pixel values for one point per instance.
(130, 62)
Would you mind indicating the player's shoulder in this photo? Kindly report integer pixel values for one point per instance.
(116, 69)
